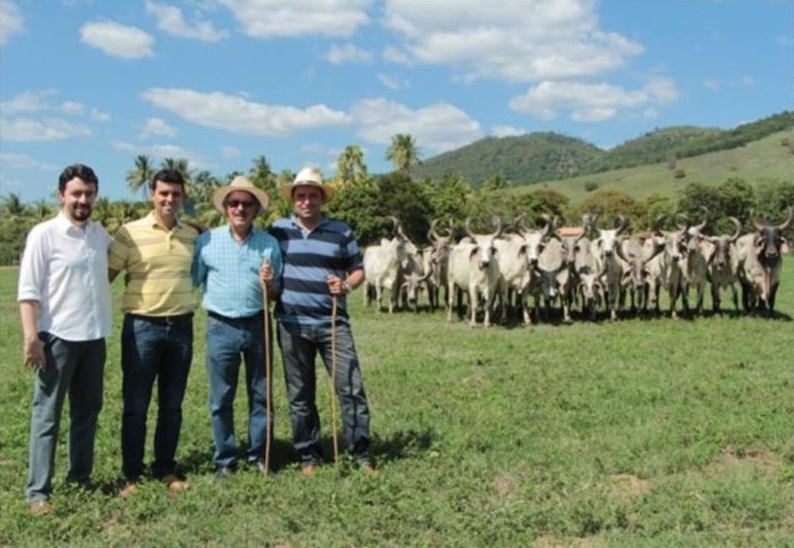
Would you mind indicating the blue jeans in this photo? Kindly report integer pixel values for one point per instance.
(152, 348)
(299, 347)
(227, 340)
(75, 368)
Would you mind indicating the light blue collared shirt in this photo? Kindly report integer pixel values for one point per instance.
(228, 271)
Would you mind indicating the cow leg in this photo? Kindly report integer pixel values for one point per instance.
(473, 306)
(450, 297)
(735, 297)
(715, 299)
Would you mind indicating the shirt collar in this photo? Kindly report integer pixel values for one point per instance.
(64, 224)
(153, 220)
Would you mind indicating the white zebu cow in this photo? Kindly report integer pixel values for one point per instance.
(609, 265)
(382, 267)
(723, 265)
(760, 262)
(513, 273)
(637, 275)
(473, 267)
(536, 241)
(436, 261)
(695, 268)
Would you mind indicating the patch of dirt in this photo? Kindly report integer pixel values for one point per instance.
(762, 458)
(627, 486)
(550, 541)
(504, 485)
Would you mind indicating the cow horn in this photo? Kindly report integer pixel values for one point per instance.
(467, 226)
(657, 223)
(432, 236)
(522, 228)
(394, 222)
(678, 215)
(785, 224)
(496, 222)
(738, 226)
(702, 225)
(621, 224)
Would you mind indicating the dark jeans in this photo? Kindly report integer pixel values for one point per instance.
(76, 369)
(299, 347)
(152, 348)
(227, 340)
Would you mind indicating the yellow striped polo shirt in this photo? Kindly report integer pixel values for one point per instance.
(157, 263)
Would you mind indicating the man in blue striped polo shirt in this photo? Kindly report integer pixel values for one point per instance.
(230, 264)
(322, 262)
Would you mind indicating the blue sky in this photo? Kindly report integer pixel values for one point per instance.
(219, 82)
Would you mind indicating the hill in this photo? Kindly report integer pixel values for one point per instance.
(768, 159)
(546, 157)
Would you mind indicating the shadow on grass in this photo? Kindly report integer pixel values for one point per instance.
(404, 444)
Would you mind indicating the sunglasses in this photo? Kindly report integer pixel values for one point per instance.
(236, 203)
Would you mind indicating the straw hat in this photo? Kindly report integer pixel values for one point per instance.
(243, 184)
(308, 176)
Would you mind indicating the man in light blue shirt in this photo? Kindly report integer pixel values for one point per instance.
(231, 264)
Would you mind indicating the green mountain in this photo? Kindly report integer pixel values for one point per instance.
(547, 156)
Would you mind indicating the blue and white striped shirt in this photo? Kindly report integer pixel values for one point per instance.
(309, 257)
(228, 271)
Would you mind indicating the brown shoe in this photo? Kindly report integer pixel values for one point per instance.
(40, 507)
(368, 469)
(175, 485)
(308, 470)
(130, 488)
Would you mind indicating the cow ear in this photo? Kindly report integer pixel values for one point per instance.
(473, 252)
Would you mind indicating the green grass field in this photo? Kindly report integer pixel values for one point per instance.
(636, 433)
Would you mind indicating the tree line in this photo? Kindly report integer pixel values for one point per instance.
(364, 200)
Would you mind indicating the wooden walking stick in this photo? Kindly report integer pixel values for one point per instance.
(333, 377)
(268, 368)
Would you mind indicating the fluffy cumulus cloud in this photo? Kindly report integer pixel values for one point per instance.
(28, 101)
(241, 116)
(348, 53)
(28, 130)
(271, 18)
(156, 127)
(507, 131)
(117, 40)
(519, 42)
(171, 20)
(437, 127)
(24, 161)
(11, 21)
(591, 102)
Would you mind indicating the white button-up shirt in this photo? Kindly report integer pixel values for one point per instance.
(65, 269)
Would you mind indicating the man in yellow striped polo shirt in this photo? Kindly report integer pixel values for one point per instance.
(157, 336)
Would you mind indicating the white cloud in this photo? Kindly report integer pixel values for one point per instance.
(24, 161)
(156, 126)
(518, 42)
(591, 102)
(392, 82)
(28, 101)
(11, 21)
(240, 116)
(27, 129)
(72, 107)
(98, 116)
(194, 160)
(230, 152)
(438, 127)
(711, 83)
(507, 131)
(348, 53)
(121, 146)
(270, 18)
(171, 20)
(117, 40)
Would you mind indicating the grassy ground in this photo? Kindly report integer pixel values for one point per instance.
(637, 433)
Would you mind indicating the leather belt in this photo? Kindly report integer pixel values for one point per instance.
(166, 320)
(221, 318)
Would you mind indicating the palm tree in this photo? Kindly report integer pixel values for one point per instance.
(138, 178)
(261, 174)
(178, 164)
(348, 163)
(403, 153)
(12, 206)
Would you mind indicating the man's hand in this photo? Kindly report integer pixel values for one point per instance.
(33, 354)
(336, 285)
(265, 273)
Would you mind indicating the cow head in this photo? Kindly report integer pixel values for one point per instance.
(769, 238)
(721, 253)
(608, 238)
(484, 248)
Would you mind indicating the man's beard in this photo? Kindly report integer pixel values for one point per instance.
(81, 213)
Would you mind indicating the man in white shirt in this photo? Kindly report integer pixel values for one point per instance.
(64, 304)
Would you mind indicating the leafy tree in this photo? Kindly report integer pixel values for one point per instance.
(608, 204)
(449, 197)
(403, 153)
(138, 178)
(360, 207)
(405, 199)
(178, 164)
(496, 181)
(11, 205)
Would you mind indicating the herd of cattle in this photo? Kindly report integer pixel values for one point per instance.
(500, 270)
